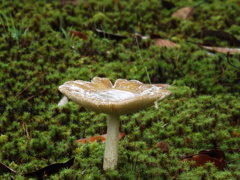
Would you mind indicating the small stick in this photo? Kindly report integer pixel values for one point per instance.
(25, 129)
(42, 91)
(27, 87)
(231, 63)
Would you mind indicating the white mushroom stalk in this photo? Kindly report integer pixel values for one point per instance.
(124, 97)
(63, 101)
(111, 148)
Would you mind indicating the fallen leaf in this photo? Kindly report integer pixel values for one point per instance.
(183, 13)
(214, 153)
(215, 156)
(101, 138)
(165, 43)
(78, 34)
(4, 168)
(103, 34)
(51, 169)
(225, 50)
(202, 159)
(233, 41)
(235, 134)
(163, 146)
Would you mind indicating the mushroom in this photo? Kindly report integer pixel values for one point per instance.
(63, 101)
(124, 97)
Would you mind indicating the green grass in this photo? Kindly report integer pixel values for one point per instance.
(37, 55)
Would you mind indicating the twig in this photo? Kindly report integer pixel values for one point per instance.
(231, 63)
(25, 129)
(27, 87)
(42, 91)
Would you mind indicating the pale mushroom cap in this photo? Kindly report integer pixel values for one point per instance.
(124, 97)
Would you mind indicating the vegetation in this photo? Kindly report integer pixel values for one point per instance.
(37, 54)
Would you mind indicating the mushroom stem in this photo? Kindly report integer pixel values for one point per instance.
(111, 148)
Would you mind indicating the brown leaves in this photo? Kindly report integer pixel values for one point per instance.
(233, 41)
(163, 146)
(186, 12)
(165, 43)
(183, 13)
(51, 169)
(235, 134)
(158, 41)
(101, 138)
(217, 157)
(202, 159)
(215, 153)
(77, 34)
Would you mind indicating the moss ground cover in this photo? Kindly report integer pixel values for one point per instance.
(37, 55)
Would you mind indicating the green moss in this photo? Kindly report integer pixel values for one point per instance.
(37, 55)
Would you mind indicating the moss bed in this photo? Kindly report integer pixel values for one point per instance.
(37, 54)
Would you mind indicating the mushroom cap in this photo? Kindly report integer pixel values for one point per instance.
(124, 97)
